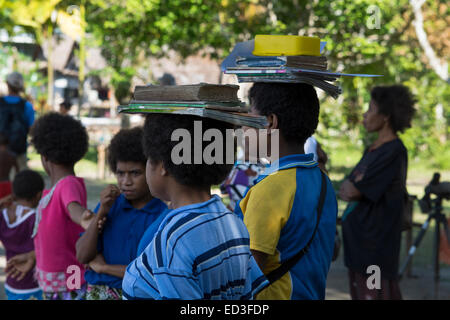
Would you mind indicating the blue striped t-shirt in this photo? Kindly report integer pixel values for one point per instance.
(200, 251)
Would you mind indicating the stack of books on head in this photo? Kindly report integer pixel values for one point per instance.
(219, 102)
(286, 59)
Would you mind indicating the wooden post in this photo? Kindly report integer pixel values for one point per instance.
(50, 74)
(82, 58)
(101, 163)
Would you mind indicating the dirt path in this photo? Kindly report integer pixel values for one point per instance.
(419, 287)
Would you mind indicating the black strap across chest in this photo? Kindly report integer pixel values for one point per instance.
(288, 264)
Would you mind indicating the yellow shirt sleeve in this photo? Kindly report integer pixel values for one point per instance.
(266, 209)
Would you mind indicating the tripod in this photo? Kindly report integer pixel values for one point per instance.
(434, 210)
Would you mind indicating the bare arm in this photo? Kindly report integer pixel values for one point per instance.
(87, 244)
(115, 270)
(80, 214)
(348, 191)
(100, 266)
(19, 265)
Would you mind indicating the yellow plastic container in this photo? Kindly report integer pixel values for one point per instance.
(278, 45)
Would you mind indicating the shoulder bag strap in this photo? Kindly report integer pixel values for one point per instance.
(288, 264)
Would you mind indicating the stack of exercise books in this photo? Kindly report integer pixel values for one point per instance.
(284, 59)
(219, 102)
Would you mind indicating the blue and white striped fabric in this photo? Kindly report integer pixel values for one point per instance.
(200, 251)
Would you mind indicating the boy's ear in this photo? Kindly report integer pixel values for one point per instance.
(163, 170)
(272, 119)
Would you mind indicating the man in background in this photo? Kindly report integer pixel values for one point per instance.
(16, 118)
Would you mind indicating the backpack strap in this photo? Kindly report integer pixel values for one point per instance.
(288, 264)
(21, 104)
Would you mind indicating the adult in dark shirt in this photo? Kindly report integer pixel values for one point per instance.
(376, 190)
(15, 83)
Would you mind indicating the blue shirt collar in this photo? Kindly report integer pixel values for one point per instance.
(288, 162)
(151, 207)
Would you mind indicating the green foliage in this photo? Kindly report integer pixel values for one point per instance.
(363, 36)
(33, 78)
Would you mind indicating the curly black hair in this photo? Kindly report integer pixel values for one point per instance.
(126, 146)
(158, 145)
(60, 138)
(27, 184)
(397, 102)
(295, 104)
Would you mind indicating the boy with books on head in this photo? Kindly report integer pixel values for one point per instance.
(292, 204)
(201, 249)
(16, 227)
(129, 210)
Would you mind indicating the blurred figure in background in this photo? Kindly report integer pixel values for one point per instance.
(376, 192)
(167, 80)
(64, 107)
(7, 162)
(16, 117)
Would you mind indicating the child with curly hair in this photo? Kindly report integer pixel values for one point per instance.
(16, 226)
(201, 249)
(61, 215)
(129, 209)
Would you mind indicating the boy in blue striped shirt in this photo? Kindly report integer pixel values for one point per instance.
(201, 249)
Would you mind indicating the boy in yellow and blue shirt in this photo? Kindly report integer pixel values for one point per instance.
(280, 210)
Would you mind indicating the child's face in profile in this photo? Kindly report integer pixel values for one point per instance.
(131, 180)
(155, 179)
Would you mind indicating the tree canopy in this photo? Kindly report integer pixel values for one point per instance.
(363, 36)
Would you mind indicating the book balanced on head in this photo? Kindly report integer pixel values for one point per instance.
(215, 101)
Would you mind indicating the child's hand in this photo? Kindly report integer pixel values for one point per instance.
(18, 266)
(107, 198)
(100, 224)
(98, 263)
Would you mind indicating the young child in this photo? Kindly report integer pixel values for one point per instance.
(129, 209)
(16, 226)
(7, 162)
(281, 209)
(61, 215)
(201, 249)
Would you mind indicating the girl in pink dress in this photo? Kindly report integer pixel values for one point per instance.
(61, 215)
